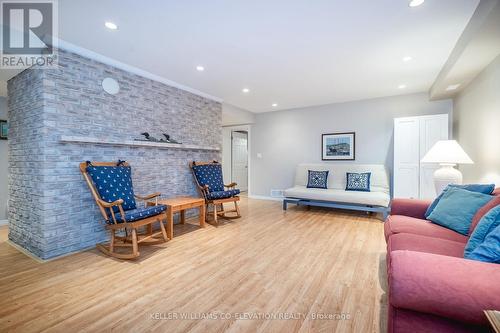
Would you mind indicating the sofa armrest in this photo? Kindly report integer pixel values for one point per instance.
(410, 207)
(450, 287)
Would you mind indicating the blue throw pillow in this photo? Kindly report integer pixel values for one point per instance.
(488, 222)
(358, 181)
(489, 249)
(456, 209)
(481, 188)
(317, 179)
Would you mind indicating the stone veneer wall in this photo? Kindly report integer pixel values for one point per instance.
(51, 211)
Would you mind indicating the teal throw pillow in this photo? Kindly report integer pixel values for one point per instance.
(456, 209)
(489, 249)
(481, 188)
(488, 222)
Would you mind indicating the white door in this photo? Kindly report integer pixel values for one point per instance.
(239, 159)
(432, 129)
(406, 157)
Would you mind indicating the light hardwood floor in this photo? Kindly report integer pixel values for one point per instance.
(300, 262)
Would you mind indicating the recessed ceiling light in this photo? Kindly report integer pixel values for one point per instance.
(111, 25)
(402, 86)
(415, 3)
(200, 68)
(407, 58)
(245, 90)
(274, 105)
(452, 87)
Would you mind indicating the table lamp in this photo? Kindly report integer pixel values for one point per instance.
(447, 153)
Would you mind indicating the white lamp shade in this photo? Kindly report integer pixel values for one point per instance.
(447, 152)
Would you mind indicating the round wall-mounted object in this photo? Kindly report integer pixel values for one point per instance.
(110, 86)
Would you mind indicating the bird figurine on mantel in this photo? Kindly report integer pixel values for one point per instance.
(149, 137)
(168, 139)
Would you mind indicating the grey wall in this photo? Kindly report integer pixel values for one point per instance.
(4, 193)
(51, 210)
(477, 125)
(287, 138)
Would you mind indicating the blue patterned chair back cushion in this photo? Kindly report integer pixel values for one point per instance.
(113, 183)
(211, 175)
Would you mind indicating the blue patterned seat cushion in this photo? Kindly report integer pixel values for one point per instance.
(358, 181)
(140, 213)
(211, 175)
(222, 194)
(113, 183)
(317, 179)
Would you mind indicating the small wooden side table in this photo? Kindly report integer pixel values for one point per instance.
(180, 205)
(494, 319)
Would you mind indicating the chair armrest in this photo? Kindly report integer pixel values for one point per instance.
(450, 287)
(410, 207)
(233, 184)
(106, 204)
(147, 197)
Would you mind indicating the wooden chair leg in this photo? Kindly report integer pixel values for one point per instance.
(202, 216)
(237, 208)
(112, 241)
(215, 215)
(163, 232)
(135, 247)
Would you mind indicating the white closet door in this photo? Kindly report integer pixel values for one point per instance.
(432, 129)
(406, 157)
(240, 160)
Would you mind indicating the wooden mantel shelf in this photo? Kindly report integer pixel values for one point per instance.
(132, 143)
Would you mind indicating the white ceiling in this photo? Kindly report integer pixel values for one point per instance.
(292, 52)
(478, 46)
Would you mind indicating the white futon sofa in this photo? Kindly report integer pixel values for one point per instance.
(377, 200)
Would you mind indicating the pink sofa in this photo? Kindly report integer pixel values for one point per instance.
(432, 288)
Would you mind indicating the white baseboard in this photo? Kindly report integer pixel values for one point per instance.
(4, 222)
(264, 197)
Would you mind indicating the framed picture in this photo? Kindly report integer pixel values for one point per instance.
(4, 129)
(338, 146)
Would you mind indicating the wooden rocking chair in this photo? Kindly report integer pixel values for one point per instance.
(208, 177)
(111, 187)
